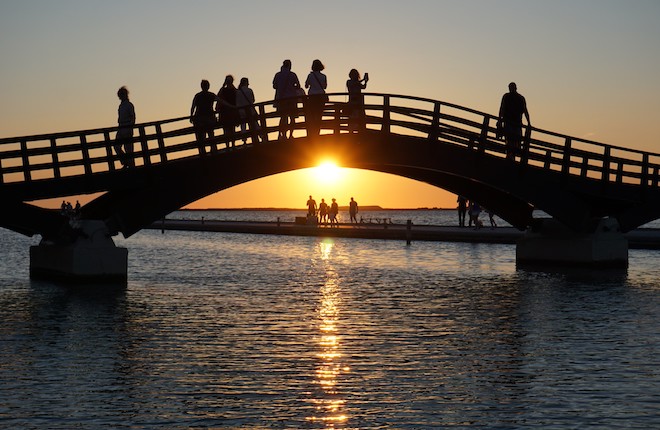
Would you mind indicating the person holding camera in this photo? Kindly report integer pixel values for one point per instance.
(357, 120)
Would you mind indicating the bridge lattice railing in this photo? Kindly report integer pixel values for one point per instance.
(88, 152)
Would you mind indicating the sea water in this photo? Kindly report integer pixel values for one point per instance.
(224, 330)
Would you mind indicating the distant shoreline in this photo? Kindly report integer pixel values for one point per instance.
(362, 209)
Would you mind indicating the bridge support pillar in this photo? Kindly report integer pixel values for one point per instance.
(553, 243)
(91, 257)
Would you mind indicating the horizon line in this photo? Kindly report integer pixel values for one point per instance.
(362, 208)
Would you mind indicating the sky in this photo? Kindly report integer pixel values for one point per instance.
(588, 68)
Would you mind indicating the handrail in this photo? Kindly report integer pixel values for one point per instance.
(45, 156)
(65, 134)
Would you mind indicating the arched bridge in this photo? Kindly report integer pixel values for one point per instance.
(576, 181)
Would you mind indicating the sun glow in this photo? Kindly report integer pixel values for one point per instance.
(327, 172)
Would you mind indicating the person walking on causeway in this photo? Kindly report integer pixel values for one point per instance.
(353, 210)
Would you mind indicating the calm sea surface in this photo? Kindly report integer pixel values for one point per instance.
(248, 331)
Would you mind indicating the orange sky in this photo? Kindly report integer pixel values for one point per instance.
(368, 188)
(588, 69)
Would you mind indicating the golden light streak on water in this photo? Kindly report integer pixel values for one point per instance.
(329, 406)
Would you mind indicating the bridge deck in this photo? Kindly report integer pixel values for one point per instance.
(445, 145)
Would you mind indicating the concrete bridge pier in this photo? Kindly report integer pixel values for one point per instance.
(90, 255)
(554, 243)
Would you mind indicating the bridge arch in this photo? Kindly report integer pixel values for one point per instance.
(445, 145)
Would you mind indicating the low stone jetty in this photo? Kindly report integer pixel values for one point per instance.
(644, 238)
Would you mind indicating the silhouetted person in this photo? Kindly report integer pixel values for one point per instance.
(474, 212)
(491, 218)
(201, 113)
(311, 207)
(353, 210)
(323, 211)
(332, 213)
(227, 109)
(356, 115)
(286, 86)
(126, 121)
(246, 111)
(317, 82)
(512, 109)
(462, 210)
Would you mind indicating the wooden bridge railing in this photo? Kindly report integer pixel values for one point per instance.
(88, 152)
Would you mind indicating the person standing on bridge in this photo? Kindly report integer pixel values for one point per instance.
(246, 112)
(227, 107)
(317, 82)
(512, 109)
(356, 115)
(287, 86)
(201, 113)
(124, 138)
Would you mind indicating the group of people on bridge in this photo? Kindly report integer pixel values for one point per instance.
(235, 106)
(232, 107)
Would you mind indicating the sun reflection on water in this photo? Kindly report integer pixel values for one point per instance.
(329, 404)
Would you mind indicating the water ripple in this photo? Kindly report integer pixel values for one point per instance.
(242, 331)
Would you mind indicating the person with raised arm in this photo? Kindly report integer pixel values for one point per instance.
(356, 114)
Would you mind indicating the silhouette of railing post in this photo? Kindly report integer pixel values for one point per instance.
(85, 153)
(566, 162)
(585, 166)
(548, 159)
(606, 165)
(27, 175)
(644, 177)
(161, 144)
(526, 143)
(435, 123)
(108, 151)
(385, 128)
(262, 122)
(619, 173)
(483, 135)
(252, 125)
(56, 158)
(144, 145)
(337, 120)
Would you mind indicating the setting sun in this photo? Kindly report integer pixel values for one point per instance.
(327, 173)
